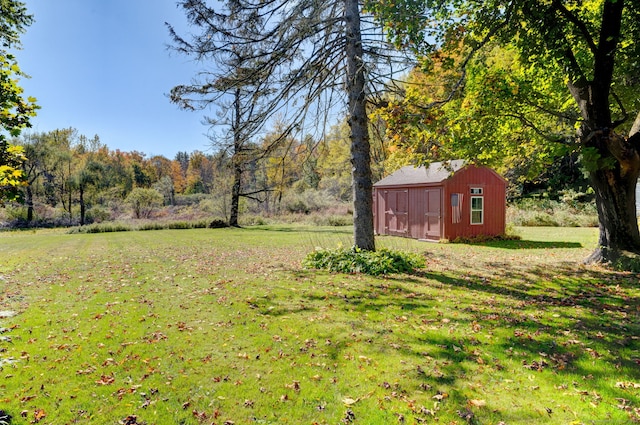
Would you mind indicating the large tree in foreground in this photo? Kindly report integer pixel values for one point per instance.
(15, 110)
(306, 54)
(591, 46)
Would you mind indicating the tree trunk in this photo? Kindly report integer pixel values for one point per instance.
(612, 159)
(236, 162)
(235, 194)
(82, 205)
(615, 188)
(29, 202)
(358, 122)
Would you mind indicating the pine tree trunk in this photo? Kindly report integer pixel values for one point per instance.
(358, 122)
(235, 159)
(235, 195)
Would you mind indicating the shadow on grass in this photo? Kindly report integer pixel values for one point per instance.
(564, 319)
(526, 244)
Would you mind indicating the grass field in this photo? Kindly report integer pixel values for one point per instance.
(223, 326)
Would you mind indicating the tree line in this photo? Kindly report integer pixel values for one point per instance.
(73, 179)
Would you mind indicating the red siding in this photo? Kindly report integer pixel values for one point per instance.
(494, 203)
(425, 211)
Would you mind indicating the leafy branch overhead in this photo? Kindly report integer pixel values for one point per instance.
(535, 81)
(15, 109)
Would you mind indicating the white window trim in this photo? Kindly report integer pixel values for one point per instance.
(472, 210)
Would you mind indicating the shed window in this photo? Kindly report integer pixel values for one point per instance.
(476, 191)
(477, 210)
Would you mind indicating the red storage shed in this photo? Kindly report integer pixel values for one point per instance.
(444, 201)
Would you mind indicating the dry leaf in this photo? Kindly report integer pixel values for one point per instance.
(106, 380)
(477, 403)
(39, 415)
(349, 401)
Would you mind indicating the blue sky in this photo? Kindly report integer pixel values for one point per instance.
(102, 67)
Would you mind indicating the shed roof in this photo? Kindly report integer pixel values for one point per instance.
(435, 173)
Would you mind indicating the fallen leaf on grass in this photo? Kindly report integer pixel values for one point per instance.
(106, 380)
(201, 416)
(440, 396)
(477, 403)
(349, 401)
(130, 420)
(295, 385)
(625, 385)
(38, 415)
(86, 371)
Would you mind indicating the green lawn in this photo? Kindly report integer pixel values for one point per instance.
(223, 326)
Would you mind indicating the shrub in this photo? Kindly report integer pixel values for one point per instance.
(152, 226)
(627, 261)
(98, 214)
(143, 201)
(546, 212)
(218, 224)
(101, 228)
(253, 220)
(340, 220)
(354, 260)
(192, 199)
(200, 224)
(480, 239)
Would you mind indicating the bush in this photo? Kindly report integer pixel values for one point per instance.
(354, 260)
(101, 228)
(98, 214)
(152, 226)
(305, 202)
(192, 199)
(335, 220)
(629, 262)
(546, 212)
(144, 201)
(480, 239)
(218, 224)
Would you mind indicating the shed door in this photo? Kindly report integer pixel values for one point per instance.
(433, 225)
(396, 216)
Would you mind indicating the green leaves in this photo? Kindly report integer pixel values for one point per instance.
(15, 111)
(143, 201)
(354, 260)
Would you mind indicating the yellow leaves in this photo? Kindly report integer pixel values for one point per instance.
(10, 176)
